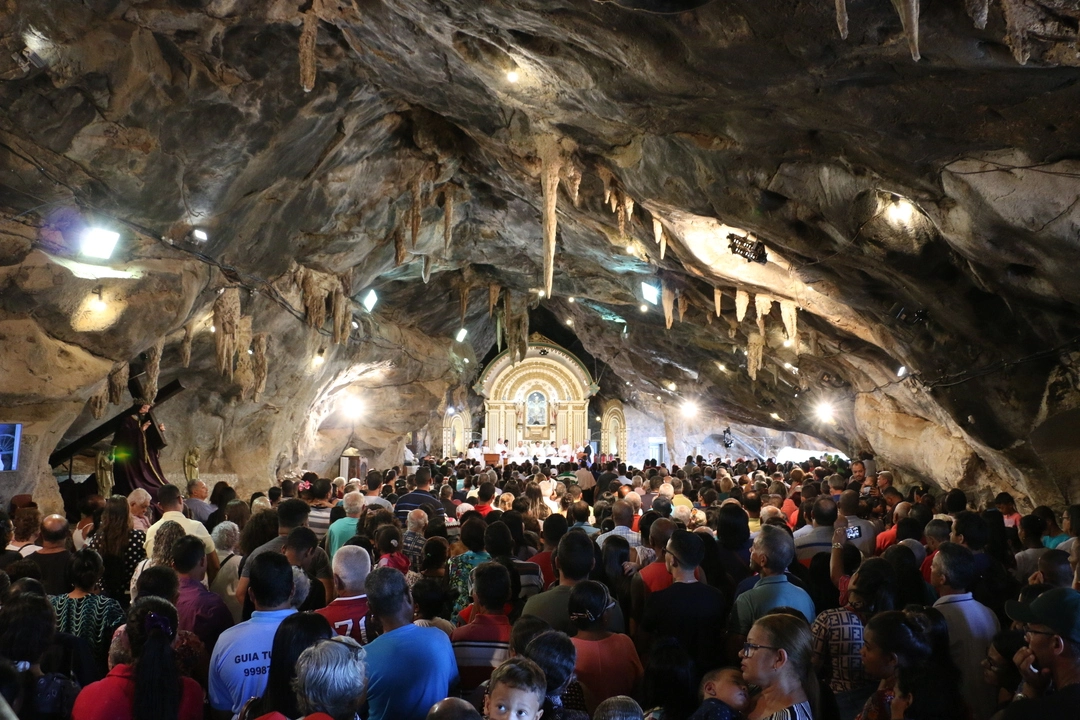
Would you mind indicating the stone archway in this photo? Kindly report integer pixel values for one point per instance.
(613, 430)
(543, 398)
(457, 432)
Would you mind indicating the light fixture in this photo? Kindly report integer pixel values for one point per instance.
(319, 359)
(629, 249)
(355, 325)
(644, 308)
(353, 407)
(461, 334)
(598, 418)
(659, 398)
(98, 304)
(450, 410)
(513, 76)
(570, 322)
(900, 211)
(745, 247)
(787, 366)
(774, 416)
(99, 243)
(570, 299)
(540, 294)
(213, 329)
(250, 351)
(370, 299)
(650, 292)
(788, 342)
(824, 412)
(627, 382)
(689, 409)
(722, 367)
(671, 386)
(200, 235)
(902, 371)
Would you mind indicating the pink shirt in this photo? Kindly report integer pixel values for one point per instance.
(606, 668)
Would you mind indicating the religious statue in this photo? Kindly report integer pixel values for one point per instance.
(136, 445)
(103, 469)
(536, 409)
(191, 464)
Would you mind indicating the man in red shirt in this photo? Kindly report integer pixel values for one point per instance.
(485, 495)
(347, 614)
(654, 576)
(555, 526)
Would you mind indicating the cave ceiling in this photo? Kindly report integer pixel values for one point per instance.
(921, 214)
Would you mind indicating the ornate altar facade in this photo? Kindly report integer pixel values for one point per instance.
(543, 398)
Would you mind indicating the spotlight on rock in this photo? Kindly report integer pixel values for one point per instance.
(369, 300)
(776, 417)
(199, 235)
(570, 300)
(319, 359)
(644, 308)
(650, 292)
(570, 322)
(900, 211)
(98, 303)
(461, 334)
(788, 342)
(353, 407)
(825, 412)
(902, 371)
(689, 409)
(99, 243)
(513, 76)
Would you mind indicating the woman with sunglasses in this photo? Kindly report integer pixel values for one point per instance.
(607, 663)
(777, 658)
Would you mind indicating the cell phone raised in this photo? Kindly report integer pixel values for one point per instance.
(854, 532)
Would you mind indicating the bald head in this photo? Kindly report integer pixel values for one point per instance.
(622, 512)
(660, 533)
(54, 531)
(453, 708)
(903, 509)
(416, 520)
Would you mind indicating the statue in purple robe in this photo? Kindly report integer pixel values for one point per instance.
(136, 445)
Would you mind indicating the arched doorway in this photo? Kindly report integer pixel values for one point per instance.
(613, 430)
(457, 432)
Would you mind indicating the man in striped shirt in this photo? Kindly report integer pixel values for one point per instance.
(418, 497)
(321, 505)
(483, 644)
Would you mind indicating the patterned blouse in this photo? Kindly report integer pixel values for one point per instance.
(118, 570)
(459, 570)
(93, 618)
(838, 638)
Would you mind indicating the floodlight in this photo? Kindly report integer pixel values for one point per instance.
(369, 300)
(200, 235)
(689, 409)
(824, 412)
(461, 334)
(651, 293)
(353, 407)
(902, 371)
(99, 243)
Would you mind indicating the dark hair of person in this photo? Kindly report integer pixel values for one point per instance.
(271, 579)
(472, 534)
(615, 552)
(911, 588)
(273, 494)
(906, 635)
(292, 513)
(294, 635)
(498, 541)
(86, 568)
(555, 526)
(301, 539)
(261, 528)
(151, 628)
(388, 540)
(733, 527)
(491, 583)
(1008, 643)
(556, 655)
(25, 584)
(434, 554)
(114, 530)
(524, 630)
(27, 627)
(221, 494)
(588, 602)
(168, 495)
(430, 598)
(159, 581)
(238, 511)
(973, 528)
(876, 591)
(670, 680)
(188, 552)
(575, 555)
(321, 488)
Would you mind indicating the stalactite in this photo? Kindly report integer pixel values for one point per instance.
(99, 401)
(708, 318)
(718, 300)
(742, 302)
(185, 344)
(663, 245)
(755, 349)
(614, 202)
(153, 369)
(547, 147)
(609, 184)
(813, 338)
(416, 214)
(763, 305)
(623, 216)
(657, 229)
(516, 327)
(909, 18)
(684, 302)
(245, 371)
(628, 207)
(308, 35)
(733, 327)
(448, 215)
(118, 378)
(399, 246)
(978, 10)
(571, 175)
(493, 297)
(259, 365)
(789, 312)
(841, 18)
(226, 319)
(464, 299)
(341, 314)
(499, 329)
(668, 298)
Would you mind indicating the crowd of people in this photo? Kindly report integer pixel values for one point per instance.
(452, 590)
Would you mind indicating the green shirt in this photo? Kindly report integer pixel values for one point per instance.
(340, 532)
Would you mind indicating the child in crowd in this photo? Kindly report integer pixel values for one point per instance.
(388, 543)
(724, 695)
(516, 691)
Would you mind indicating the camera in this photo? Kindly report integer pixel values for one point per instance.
(854, 532)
